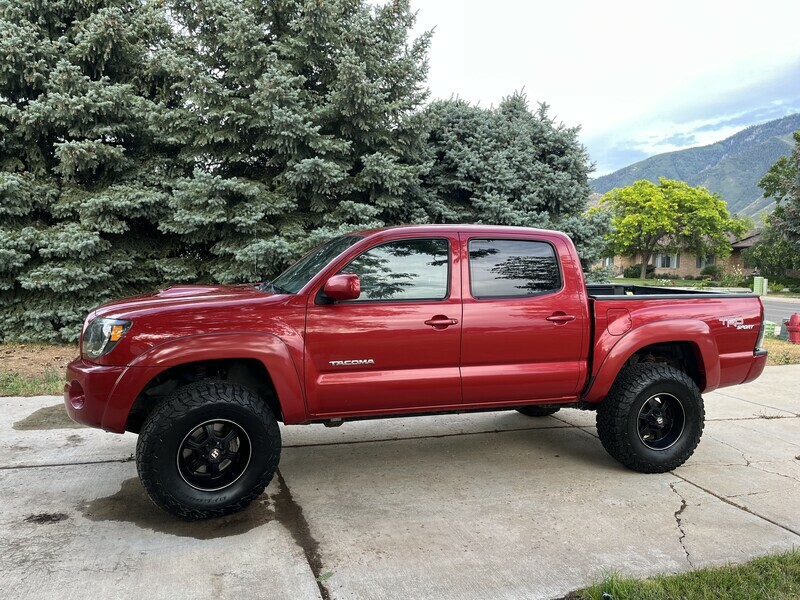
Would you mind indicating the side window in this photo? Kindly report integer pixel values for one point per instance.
(403, 270)
(512, 268)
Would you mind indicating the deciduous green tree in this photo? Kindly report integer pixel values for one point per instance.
(779, 247)
(647, 218)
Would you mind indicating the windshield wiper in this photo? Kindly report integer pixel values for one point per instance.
(268, 286)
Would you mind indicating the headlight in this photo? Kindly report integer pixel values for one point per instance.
(102, 335)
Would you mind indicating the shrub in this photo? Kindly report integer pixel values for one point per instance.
(734, 278)
(713, 271)
(635, 271)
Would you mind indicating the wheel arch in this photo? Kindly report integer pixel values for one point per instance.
(261, 362)
(686, 344)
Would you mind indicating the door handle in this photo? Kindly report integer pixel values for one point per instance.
(561, 318)
(441, 322)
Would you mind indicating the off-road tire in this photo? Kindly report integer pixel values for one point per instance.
(538, 410)
(618, 417)
(167, 427)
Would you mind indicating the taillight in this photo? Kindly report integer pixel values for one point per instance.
(760, 335)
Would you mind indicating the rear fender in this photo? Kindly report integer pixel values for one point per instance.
(692, 331)
(269, 349)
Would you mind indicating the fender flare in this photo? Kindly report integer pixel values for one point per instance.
(268, 349)
(692, 331)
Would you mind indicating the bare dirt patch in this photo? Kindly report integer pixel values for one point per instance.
(34, 360)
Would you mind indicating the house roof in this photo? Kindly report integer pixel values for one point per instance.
(748, 241)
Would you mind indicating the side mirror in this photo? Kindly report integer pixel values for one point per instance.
(344, 286)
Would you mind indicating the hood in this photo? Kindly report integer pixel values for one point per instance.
(182, 297)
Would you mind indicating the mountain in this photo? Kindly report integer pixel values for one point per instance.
(732, 168)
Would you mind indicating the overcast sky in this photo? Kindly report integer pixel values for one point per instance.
(640, 78)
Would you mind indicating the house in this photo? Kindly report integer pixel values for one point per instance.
(679, 265)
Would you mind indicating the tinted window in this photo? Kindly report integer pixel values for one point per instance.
(300, 273)
(507, 268)
(403, 270)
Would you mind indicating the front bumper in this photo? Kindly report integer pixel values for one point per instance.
(89, 391)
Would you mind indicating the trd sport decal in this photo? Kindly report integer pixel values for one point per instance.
(737, 322)
(355, 361)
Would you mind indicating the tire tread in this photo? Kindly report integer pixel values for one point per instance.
(175, 406)
(614, 411)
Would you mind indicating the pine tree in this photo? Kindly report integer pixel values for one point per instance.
(83, 98)
(510, 166)
(301, 121)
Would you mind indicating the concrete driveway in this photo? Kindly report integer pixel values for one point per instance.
(493, 505)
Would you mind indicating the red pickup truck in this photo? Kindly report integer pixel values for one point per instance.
(396, 322)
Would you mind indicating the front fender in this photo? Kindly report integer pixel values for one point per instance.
(692, 331)
(268, 349)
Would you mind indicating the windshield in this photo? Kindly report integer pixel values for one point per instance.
(300, 273)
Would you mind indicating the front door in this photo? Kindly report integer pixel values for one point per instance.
(396, 347)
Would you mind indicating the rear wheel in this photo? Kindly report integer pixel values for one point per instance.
(538, 410)
(208, 450)
(652, 419)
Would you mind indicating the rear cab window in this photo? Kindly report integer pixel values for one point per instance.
(506, 268)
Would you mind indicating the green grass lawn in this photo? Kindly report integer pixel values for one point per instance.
(51, 383)
(776, 577)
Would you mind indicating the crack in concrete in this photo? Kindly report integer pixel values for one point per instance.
(739, 450)
(290, 514)
(747, 494)
(757, 403)
(756, 418)
(730, 502)
(778, 474)
(677, 514)
(130, 458)
(771, 434)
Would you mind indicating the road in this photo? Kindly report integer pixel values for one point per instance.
(778, 311)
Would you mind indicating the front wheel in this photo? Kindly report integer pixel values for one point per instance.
(652, 419)
(208, 450)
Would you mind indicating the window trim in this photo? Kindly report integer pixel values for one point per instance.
(674, 257)
(705, 261)
(516, 297)
(399, 300)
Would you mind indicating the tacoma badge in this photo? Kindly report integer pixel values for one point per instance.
(355, 361)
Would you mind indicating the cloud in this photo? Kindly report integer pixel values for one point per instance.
(680, 139)
(704, 120)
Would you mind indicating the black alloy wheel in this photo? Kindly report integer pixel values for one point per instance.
(214, 455)
(661, 421)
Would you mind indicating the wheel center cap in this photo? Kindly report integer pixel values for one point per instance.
(215, 453)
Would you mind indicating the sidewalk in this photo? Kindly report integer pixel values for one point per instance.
(770, 297)
(489, 505)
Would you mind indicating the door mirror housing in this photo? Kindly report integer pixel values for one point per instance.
(344, 286)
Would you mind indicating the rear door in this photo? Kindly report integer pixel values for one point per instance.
(525, 321)
(398, 346)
